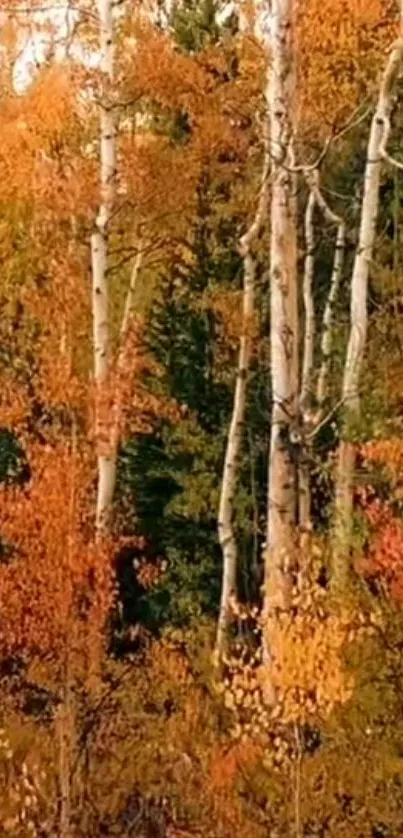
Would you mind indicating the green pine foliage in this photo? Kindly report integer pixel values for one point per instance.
(173, 475)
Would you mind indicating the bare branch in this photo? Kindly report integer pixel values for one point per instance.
(323, 421)
(251, 234)
(130, 294)
(307, 168)
(314, 185)
(396, 164)
(311, 167)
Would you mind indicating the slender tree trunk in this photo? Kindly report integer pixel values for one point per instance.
(236, 431)
(312, 416)
(379, 134)
(282, 481)
(304, 487)
(115, 424)
(316, 196)
(99, 254)
(65, 736)
(328, 317)
(231, 464)
(114, 420)
(309, 330)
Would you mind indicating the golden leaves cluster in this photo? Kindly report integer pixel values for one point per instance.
(306, 676)
(341, 47)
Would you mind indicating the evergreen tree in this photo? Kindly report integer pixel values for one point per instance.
(173, 475)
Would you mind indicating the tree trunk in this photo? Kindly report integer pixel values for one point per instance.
(282, 481)
(304, 483)
(309, 326)
(379, 133)
(311, 416)
(236, 432)
(64, 724)
(99, 255)
(328, 316)
(231, 463)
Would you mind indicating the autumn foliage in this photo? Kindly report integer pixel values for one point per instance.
(382, 561)
(114, 720)
(56, 585)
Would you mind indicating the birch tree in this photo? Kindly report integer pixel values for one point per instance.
(304, 493)
(376, 154)
(281, 100)
(312, 401)
(99, 255)
(226, 531)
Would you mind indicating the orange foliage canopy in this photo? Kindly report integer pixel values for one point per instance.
(56, 585)
(342, 45)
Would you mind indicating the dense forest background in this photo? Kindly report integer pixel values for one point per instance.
(122, 714)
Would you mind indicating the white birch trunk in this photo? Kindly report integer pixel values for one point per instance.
(99, 255)
(236, 431)
(358, 313)
(304, 483)
(309, 330)
(282, 481)
(311, 418)
(335, 281)
(328, 317)
(231, 463)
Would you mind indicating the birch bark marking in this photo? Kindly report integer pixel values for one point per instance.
(380, 127)
(99, 258)
(236, 431)
(281, 516)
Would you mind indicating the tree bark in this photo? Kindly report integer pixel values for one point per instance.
(64, 728)
(281, 519)
(236, 431)
(328, 316)
(115, 424)
(309, 326)
(304, 483)
(379, 133)
(311, 415)
(99, 256)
